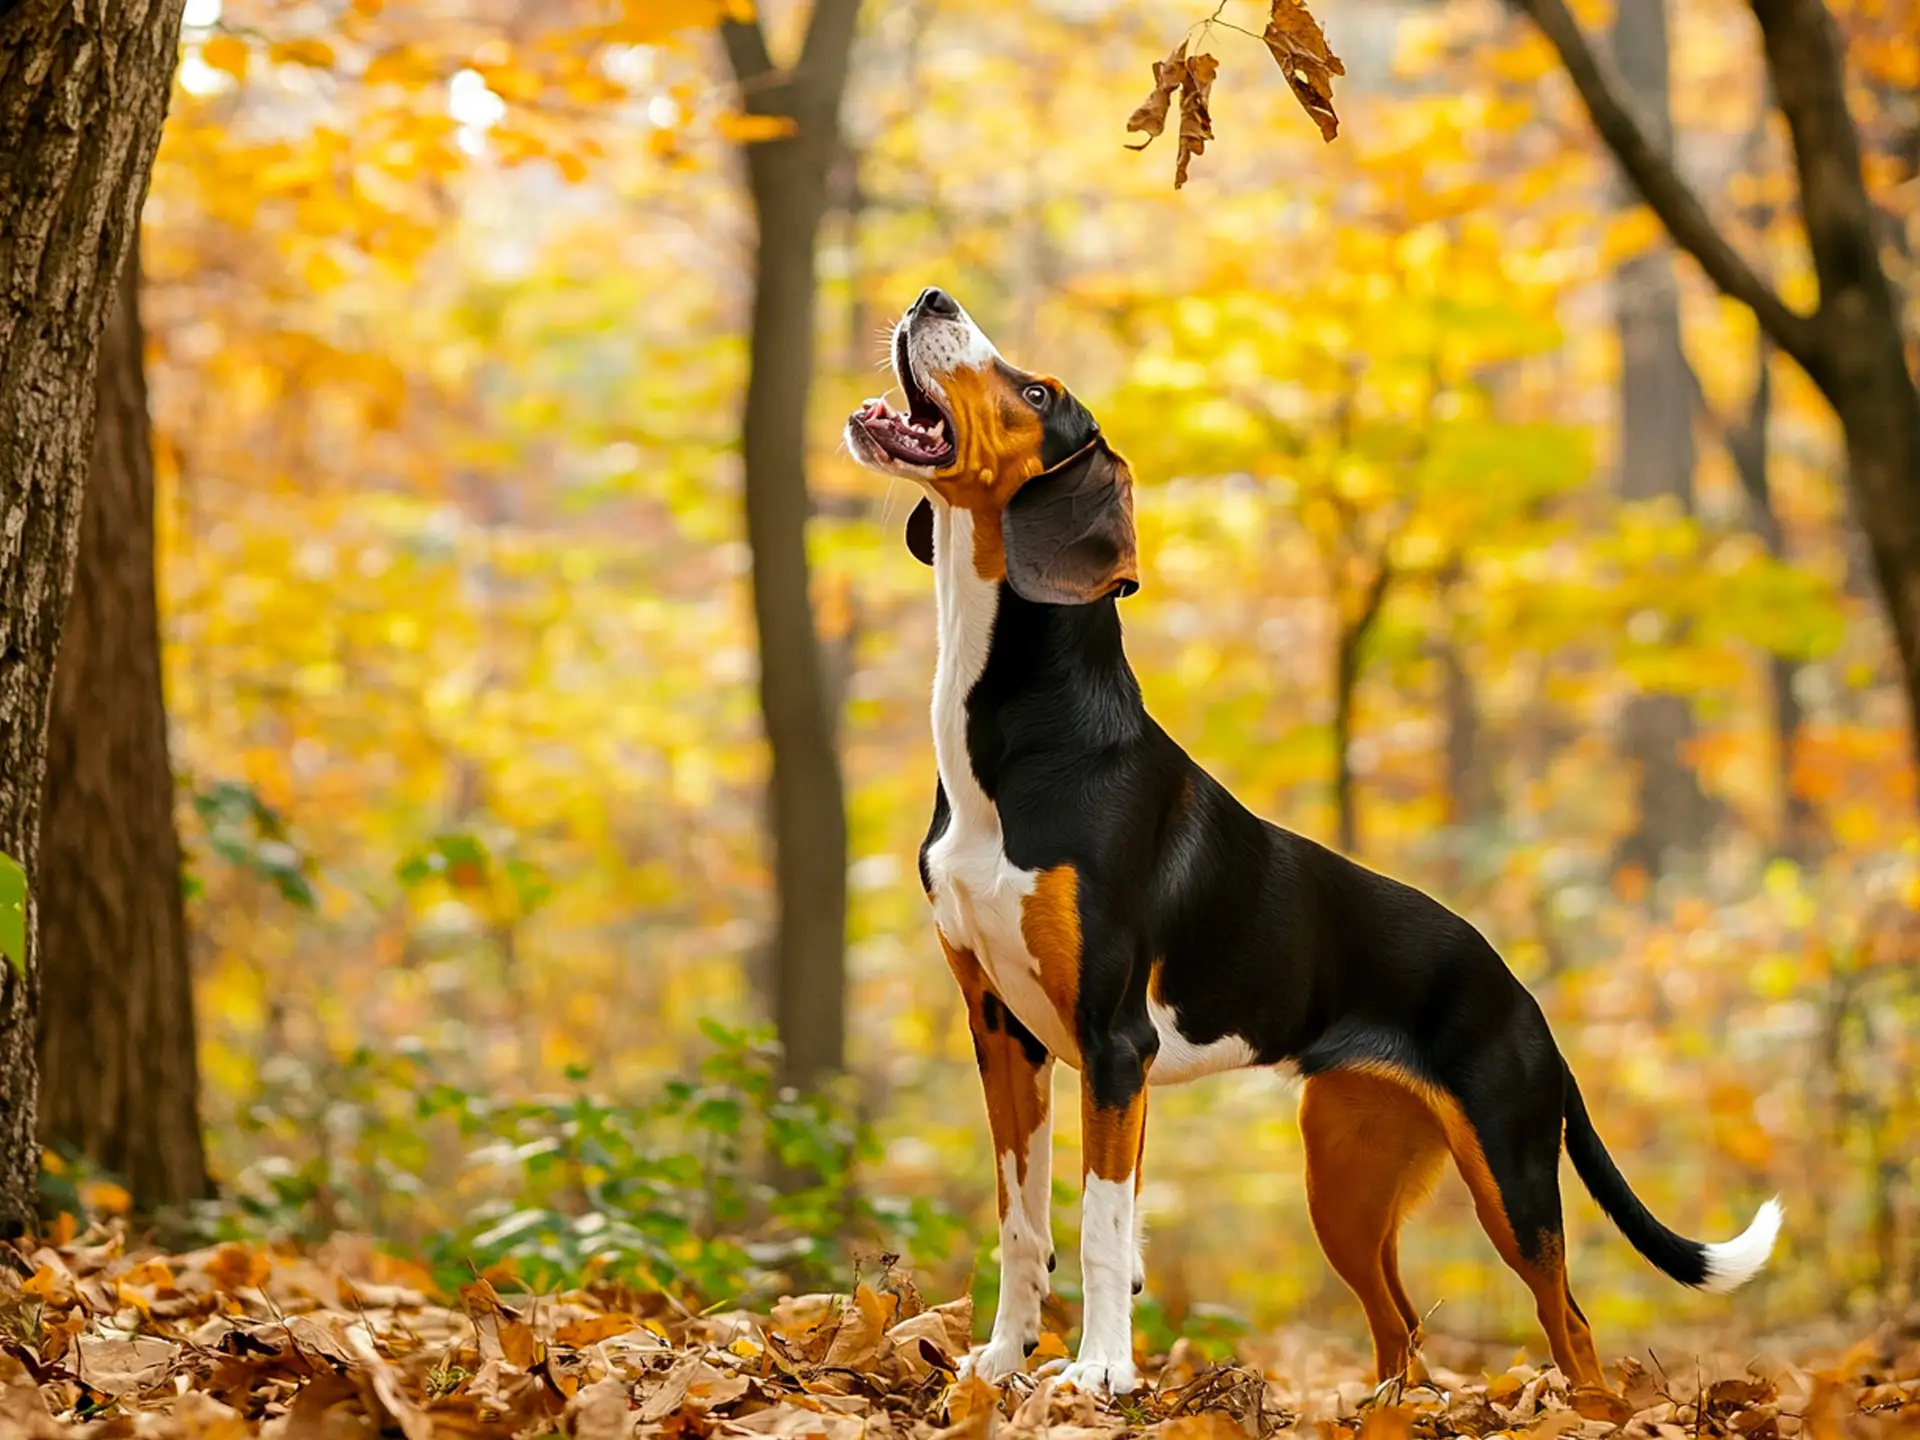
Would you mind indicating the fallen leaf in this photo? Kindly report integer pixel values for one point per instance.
(600, 1411)
(863, 1328)
(1300, 50)
(1597, 1404)
(517, 1344)
(594, 1328)
(115, 1366)
(1213, 1425)
(234, 1267)
(1382, 1422)
(384, 1382)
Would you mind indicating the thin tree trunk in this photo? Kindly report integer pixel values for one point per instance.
(1346, 676)
(118, 1074)
(1747, 444)
(1346, 681)
(83, 92)
(789, 181)
(1656, 458)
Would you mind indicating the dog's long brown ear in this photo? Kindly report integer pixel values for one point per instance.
(1069, 531)
(920, 531)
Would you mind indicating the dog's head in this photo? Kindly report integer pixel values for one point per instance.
(1052, 504)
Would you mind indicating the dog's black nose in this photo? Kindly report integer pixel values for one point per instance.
(935, 301)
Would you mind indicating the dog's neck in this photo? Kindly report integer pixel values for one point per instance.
(1004, 661)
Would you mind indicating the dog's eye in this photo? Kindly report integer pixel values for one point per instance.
(1037, 396)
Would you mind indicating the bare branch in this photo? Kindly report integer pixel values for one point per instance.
(1660, 185)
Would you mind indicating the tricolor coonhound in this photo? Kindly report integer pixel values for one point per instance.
(1102, 900)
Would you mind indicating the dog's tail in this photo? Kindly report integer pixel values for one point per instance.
(1718, 1268)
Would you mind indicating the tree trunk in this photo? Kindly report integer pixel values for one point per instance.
(1347, 663)
(83, 92)
(1656, 458)
(118, 1075)
(1346, 676)
(1853, 346)
(1747, 445)
(789, 181)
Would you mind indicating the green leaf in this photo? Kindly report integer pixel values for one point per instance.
(13, 940)
(13, 913)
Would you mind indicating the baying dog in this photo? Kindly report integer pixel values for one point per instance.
(1102, 900)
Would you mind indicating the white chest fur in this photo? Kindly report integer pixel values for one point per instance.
(978, 893)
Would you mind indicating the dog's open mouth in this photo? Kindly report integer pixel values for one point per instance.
(921, 434)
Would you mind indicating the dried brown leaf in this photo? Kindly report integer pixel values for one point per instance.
(600, 1412)
(1594, 1403)
(1196, 121)
(115, 1366)
(233, 1267)
(863, 1328)
(1150, 116)
(1300, 50)
(592, 1329)
(517, 1344)
(1383, 1422)
(1213, 1425)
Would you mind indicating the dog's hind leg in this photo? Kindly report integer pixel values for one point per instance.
(1505, 1139)
(1374, 1148)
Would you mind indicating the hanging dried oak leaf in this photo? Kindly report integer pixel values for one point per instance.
(1150, 118)
(1300, 50)
(1192, 76)
(1196, 124)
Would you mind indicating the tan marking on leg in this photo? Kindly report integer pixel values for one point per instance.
(1373, 1151)
(1112, 1136)
(1569, 1338)
(1050, 925)
(1017, 1103)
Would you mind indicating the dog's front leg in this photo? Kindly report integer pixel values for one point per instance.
(1016, 1073)
(1113, 1120)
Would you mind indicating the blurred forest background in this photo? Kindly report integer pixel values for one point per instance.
(1482, 537)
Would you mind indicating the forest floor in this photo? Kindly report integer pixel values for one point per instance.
(232, 1342)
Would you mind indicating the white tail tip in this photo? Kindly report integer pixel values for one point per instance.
(1732, 1264)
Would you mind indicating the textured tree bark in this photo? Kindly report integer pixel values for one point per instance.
(1656, 458)
(83, 92)
(1853, 345)
(118, 1076)
(789, 182)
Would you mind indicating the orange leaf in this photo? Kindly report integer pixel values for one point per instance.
(107, 1196)
(594, 1329)
(516, 1343)
(753, 129)
(235, 1266)
(315, 54)
(227, 54)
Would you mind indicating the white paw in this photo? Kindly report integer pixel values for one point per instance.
(994, 1361)
(1102, 1377)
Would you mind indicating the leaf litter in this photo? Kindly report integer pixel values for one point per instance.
(234, 1342)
